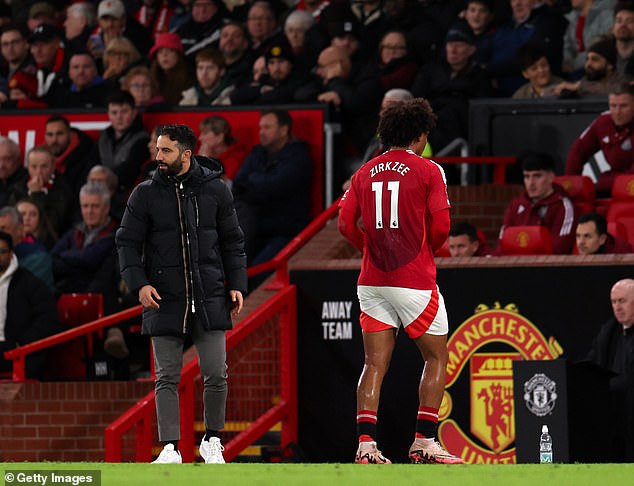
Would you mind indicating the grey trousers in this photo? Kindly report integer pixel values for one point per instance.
(168, 363)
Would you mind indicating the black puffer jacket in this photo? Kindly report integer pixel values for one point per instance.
(183, 238)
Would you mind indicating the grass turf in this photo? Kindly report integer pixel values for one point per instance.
(340, 474)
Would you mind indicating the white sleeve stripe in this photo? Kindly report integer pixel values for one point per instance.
(569, 216)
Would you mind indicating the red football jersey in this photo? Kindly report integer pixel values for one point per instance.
(395, 194)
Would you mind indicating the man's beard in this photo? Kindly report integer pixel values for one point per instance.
(596, 75)
(171, 170)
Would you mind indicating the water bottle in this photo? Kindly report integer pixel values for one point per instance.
(545, 446)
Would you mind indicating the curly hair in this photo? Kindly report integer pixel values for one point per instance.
(179, 133)
(403, 123)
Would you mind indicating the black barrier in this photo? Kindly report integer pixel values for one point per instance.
(497, 315)
(568, 398)
(509, 127)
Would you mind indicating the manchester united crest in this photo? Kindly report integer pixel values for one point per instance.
(491, 430)
(540, 394)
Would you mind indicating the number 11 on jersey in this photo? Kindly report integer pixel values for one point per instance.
(392, 187)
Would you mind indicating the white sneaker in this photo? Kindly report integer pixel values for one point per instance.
(211, 451)
(168, 456)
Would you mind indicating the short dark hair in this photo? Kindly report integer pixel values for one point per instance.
(181, 134)
(622, 88)
(120, 98)
(537, 161)
(11, 26)
(625, 5)
(464, 228)
(403, 123)
(58, 118)
(6, 237)
(283, 117)
(599, 221)
(530, 53)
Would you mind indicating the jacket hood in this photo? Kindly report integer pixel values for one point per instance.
(202, 169)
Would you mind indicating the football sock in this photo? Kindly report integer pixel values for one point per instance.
(426, 423)
(211, 433)
(366, 425)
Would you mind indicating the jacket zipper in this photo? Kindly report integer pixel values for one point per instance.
(184, 242)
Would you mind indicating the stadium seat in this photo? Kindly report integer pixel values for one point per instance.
(616, 228)
(443, 251)
(526, 240)
(623, 212)
(68, 361)
(581, 189)
(623, 188)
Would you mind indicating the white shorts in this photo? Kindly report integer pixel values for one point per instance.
(418, 311)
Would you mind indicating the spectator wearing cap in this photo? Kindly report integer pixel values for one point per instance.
(588, 21)
(397, 68)
(170, 69)
(607, 143)
(448, 84)
(278, 85)
(212, 86)
(543, 203)
(528, 21)
(23, 92)
(114, 22)
(203, 29)
(536, 70)
(234, 47)
(600, 75)
(81, 19)
(85, 87)
(41, 13)
(50, 57)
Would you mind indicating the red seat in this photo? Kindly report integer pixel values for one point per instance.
(67, 361)
(443, 251)
(623, 187)
(580, 188)
(526, 240)
(623, 212)
(616, 228)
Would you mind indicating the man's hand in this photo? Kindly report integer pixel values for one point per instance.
(147, 294)
(330, 97)
(237, 302)
(35, 184)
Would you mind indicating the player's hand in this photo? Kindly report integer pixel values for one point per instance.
(237, 302)
(148, 297)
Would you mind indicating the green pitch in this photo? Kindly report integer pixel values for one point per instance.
(336, 474)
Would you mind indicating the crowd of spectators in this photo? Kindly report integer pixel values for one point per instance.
(129, 57)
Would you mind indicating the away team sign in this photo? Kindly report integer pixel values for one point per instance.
(492, 419)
